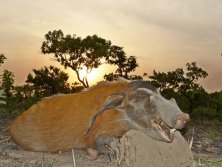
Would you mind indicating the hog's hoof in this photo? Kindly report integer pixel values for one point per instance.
(92, 153)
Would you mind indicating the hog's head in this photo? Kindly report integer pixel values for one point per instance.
(145, 109)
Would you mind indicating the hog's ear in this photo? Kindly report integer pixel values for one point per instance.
(112, 102)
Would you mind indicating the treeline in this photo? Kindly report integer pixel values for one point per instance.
(43, 82)
(75, 53)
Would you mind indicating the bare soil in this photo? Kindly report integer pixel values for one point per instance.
(207, 151)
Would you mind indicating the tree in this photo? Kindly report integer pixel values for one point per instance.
(48, 80)
(216, 102)
(7, 84)
(178, 80)
(125, 65)
(2, 59)
(75, 52)
(2, 101)
(191, 78)
(23, 92)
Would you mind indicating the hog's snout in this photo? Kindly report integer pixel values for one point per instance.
(180, 121)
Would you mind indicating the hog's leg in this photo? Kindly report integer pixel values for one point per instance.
(103, 147)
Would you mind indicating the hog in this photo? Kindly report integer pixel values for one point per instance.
(89, 118)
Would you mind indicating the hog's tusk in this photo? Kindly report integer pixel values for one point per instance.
(172, 130)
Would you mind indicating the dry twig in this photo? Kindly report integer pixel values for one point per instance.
(73, 158)
(191, 140)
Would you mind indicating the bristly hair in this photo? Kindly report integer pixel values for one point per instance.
(142, 84)
(103, 83)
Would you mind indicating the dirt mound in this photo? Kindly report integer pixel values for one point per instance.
(136, 149)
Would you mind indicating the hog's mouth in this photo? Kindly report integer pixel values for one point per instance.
(164, 131)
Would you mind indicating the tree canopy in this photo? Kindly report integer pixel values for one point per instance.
(2, 59)
(179, 80)
(125, 65)
(7, 84)
(48, 80)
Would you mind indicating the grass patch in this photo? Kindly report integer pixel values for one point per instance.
(212, 134)
(211, 162)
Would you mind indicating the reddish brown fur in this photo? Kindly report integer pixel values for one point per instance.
(60, 123)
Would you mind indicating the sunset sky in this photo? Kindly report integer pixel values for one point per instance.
(162, 34)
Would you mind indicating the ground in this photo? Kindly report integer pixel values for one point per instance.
(206, 147)
(207, 142)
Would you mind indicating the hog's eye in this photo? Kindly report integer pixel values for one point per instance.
(149, 107)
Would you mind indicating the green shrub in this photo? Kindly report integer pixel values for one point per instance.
(204, 113)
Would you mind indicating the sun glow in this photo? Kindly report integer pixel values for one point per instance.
(96, 75)
(91, 76)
